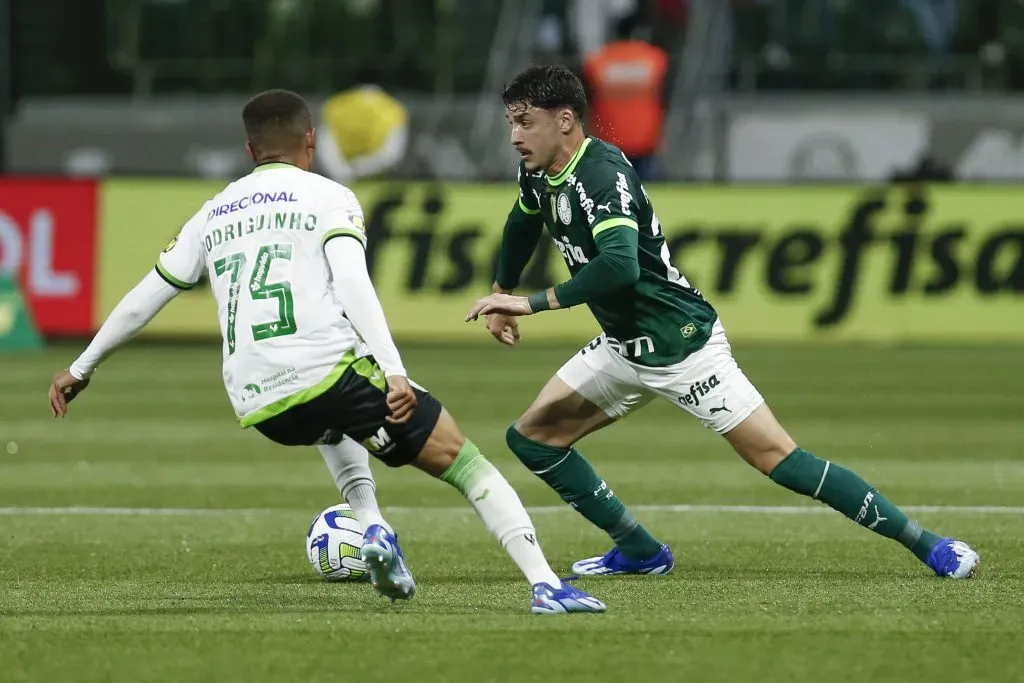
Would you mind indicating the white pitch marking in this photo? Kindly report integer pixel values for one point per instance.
(698, 509)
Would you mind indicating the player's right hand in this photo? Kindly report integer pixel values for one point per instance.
(63, 389)
(504, 328)
(401, 400)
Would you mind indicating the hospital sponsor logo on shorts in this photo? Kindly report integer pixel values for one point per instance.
(699, 390)
(250, 392)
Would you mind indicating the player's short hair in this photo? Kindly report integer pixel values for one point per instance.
(276, 121)
(547, 87)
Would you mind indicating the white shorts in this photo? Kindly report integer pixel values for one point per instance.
(708, 384)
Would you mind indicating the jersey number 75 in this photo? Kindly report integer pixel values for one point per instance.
(259, 289)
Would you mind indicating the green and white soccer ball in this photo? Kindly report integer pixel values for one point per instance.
(333, 544)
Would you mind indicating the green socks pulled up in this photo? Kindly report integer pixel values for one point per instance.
(576, 482)
(844, 491)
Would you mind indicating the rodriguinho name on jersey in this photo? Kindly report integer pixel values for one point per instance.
(286, 220)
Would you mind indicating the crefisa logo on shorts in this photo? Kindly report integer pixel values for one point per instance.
(699, 390)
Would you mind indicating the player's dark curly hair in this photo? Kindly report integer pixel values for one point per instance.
(547, 87)
(276, 120)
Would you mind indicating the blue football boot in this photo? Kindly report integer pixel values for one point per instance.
(383, 557)
(953, 559)
(564, 600)
(614, 563)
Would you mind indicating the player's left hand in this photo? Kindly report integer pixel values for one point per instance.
(504, 328)
(505, 304)
(401, 400)
(63, 389)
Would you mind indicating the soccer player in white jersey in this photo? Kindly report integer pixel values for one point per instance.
(308, 357)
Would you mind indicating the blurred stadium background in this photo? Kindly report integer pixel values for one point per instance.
(840, 177)
(120, 91)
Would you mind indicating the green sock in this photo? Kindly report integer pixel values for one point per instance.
(843, 490)
(574, 479)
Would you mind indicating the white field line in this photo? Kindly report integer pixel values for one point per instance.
(699, 509)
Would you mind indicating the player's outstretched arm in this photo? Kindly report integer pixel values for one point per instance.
(523, 229)
(355, 291)
(615, 267)
(131, 314)
(522, 232)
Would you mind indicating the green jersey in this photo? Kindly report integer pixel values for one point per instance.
(659, 320)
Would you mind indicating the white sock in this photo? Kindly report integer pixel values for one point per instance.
(525, 551)
(502, 512)
(362, 498)
(349, 464)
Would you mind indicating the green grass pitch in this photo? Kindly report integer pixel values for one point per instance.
(225, 593)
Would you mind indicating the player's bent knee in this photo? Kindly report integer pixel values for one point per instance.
(442, 447)
(766, 461)
(560, 416)
(765, 456)
(512, 436)
(761, 441)
(548, 424)
(516, 441)
(523, 427)
(536, 455)
(538, 432)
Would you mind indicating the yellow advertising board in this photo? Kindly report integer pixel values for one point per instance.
(137, 220)
(943, 262)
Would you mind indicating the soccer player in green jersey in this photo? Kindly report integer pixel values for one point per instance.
(660, 338)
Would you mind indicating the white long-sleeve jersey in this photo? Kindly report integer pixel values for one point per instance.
(284, 253)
